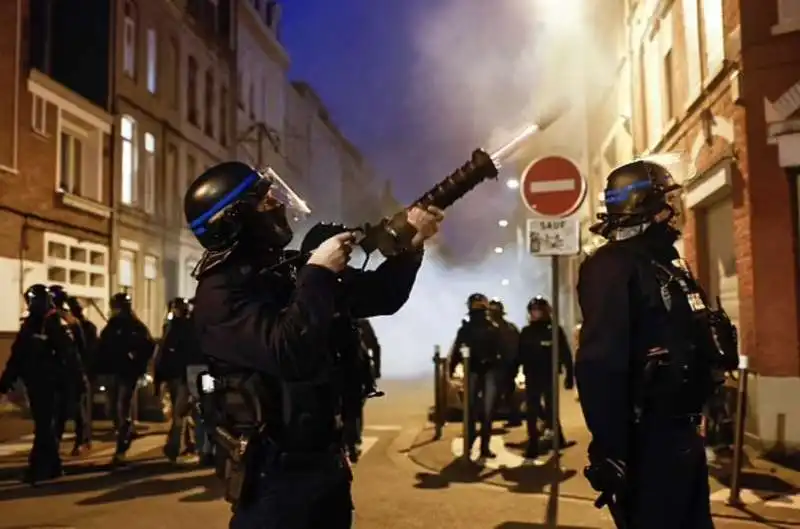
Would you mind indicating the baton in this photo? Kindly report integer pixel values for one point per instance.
(607, 499)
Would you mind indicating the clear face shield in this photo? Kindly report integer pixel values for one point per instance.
(274, 193)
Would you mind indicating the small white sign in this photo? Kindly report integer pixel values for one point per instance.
(554, 236)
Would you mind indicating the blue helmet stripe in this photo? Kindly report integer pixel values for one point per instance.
(198, 224)
(616, 196)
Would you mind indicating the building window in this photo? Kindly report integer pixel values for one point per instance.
(668, 109)
(191, 92)
(691, 34)
(210, 100)
(150, 173)
(130, 161)
(126, 274)
(173, 63)
(129, 39)
(151, 316)
(152, 60)
(81, 268)
(653, 98)
(223, 116)
(714, 33)
(39, 115)
(173, 203)
(71, 170)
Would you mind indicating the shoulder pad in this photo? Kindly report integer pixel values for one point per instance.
(594, 244)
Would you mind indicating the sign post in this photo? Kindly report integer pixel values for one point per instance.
(553, 188)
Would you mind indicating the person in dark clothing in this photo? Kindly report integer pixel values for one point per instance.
(536, 358)
(77, 391)
(649, 345)
(126, 346)
(266, 326)
(485, 342)
(372, 345)
(42, 355)
(508, 387)
(179, 349)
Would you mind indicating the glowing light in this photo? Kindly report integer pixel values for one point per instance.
(502, 223)
(498, 249)
(512, 183)
(505, 282)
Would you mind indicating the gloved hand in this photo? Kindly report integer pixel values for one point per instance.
(606, 475)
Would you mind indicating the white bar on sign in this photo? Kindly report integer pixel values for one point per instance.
(550, 186)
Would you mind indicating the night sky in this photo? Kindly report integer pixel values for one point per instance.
(374, 66)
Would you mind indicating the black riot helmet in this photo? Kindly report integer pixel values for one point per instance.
(121, 302)
(177, 305)
(75, 307)
(636, 194)
(232, 201)
(38, 300)
(477, 301)
(496, 306)
(60, 297)
(539, 303)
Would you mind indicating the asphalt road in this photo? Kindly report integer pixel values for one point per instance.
(388, 489)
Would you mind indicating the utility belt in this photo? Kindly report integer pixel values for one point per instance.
(255, 435)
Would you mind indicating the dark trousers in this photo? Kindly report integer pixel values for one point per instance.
(539, 403)
(121, 395)
(179, 397)
(76, 405)
(509, 395)
(483, 392)
(669, 478)
(294, 499)
(44, 459)
(354, 427)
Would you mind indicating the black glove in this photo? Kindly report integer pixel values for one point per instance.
(606, 475)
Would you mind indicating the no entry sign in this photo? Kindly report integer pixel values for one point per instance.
(553, 186)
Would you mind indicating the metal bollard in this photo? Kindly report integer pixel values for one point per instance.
(467, 419)
(738, 440)
(438, 412)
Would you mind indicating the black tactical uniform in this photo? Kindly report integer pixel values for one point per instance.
(77, 401)
(508, 385)
(370, 341)
(125, 348)
(269, 332)
(649, 345)
(485, 342)
(88, 349)
(178, 350)
(536, 357)
(42, 355)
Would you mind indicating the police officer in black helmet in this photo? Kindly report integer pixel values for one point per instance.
(272, 397)
(649, 346)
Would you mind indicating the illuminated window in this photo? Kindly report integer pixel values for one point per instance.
(150, 173)
(129, 39)
(152, 60)
(71, 171)
(714, 33)
(130, 161)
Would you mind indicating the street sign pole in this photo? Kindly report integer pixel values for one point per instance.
(554, 262)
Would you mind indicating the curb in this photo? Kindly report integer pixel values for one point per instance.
(753, 519)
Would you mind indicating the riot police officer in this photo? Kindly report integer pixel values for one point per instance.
(178, 350)
(649, 345)
(266, 328)
(485, 342)
(508, 384)
(41, 355)
(76, 390)
(125, 347)
(536, 357)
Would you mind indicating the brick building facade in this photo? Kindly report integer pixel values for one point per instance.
(717, 82)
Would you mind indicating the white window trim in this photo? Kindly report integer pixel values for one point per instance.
(82, 137)
(34, 99)
(131, 246)
(131, 257)
(100, 123)
(85, 291)
(718, 64)
(785, 23)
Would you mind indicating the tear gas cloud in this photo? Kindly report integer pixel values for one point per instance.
(483, 71)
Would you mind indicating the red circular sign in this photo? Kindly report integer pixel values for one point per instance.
(552, 186)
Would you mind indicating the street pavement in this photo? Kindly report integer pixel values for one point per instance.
(391, 490)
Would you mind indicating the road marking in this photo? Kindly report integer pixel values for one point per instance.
(504, 459)
(785, 502)
(24, 444)
(551, 186)
(747, 496)
(383, 427)
(367, 443)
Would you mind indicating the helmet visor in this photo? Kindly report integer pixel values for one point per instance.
(273, 191)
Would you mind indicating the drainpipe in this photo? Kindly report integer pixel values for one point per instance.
(111, 104)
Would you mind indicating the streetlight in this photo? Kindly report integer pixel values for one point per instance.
(512, 183)
(505, 282)
(498, 249)
(502, 223)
